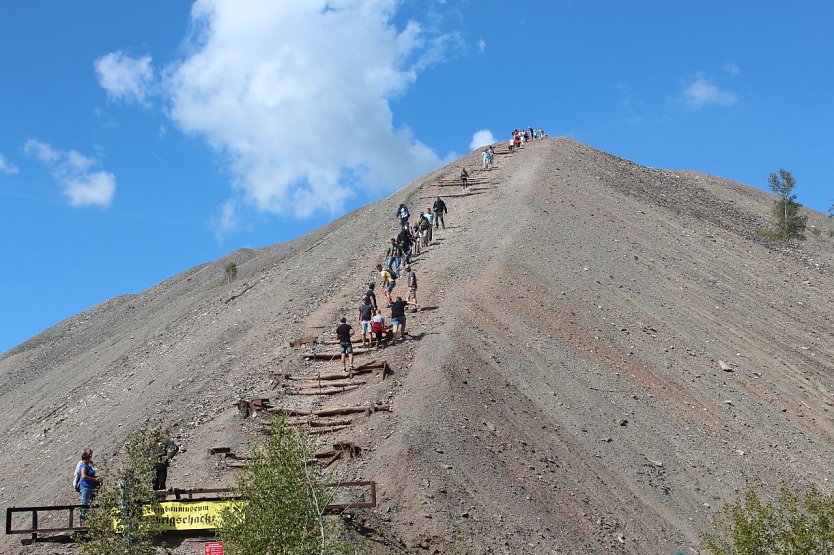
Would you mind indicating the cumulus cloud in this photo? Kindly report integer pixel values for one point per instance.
(703, 92)
(481, 138)
(6, 166)
(75, 174)
(124, 77)
(296, 97)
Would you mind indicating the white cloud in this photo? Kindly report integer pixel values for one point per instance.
(296, 97)
(6, 166)
(481, 45)
(703, 92)
(75, 175)
(123, 77)
(481, 138)
(732, 69)
(41, 151)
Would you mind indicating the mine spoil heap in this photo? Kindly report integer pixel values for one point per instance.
(607, 353)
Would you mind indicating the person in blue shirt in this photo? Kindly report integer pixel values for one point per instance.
(88, 483)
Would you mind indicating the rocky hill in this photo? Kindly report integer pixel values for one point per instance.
(560, 393)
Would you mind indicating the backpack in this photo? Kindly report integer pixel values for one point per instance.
(76, 479)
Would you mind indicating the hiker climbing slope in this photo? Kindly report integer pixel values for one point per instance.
(343, 333)
(389, 281)
(440, 210)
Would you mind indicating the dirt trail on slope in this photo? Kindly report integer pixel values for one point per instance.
(561, 394)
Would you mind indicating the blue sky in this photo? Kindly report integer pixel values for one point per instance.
(141, 138)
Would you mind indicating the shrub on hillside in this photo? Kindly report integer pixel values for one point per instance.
(797, 523)
(790, 224)
(283, 499)
(231, 272)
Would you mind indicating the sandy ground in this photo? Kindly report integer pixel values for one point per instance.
(561, 393)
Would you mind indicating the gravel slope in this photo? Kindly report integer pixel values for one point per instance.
(562, 394)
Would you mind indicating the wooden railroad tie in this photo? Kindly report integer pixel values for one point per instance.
(332, 356)
(334, 411)
(371, 367)
(310, 340)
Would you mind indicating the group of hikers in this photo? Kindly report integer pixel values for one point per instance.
(487, 158)
(525, 136)
(410, 240)
(519, 137)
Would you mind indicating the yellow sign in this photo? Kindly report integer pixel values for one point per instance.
(194, 514)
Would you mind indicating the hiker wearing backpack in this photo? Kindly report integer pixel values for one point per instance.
(485, 160)
(87, 482)
(76, 474)
(393, 255)
(464, 178)
(403, 215)
(439, 210)
(161, 454)
(404, 242)
(389, 281)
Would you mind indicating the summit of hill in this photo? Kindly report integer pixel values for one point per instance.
(606, 354)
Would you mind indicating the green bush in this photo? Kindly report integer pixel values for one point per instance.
(231, 272)
(794, 524)
(790, 224)
(283, 499)
(121, 496)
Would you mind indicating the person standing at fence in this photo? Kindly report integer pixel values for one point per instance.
(161, 454)
(87, 483)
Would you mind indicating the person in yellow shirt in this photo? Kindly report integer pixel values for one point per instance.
(388, 281)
